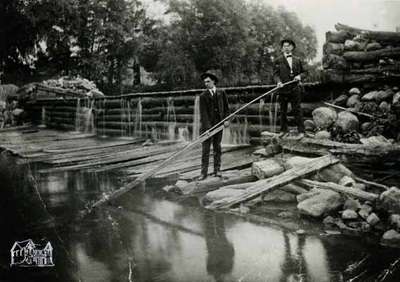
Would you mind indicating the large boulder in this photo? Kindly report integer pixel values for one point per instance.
(341, 100)
(353, 101)
(324, 117)
(266, 168)
(318, 202)
(390, 200)
(309, 125)
(347, 121)
(323, 134)
(370, 96)
(384, 95)
(354, 90)
(391, 238)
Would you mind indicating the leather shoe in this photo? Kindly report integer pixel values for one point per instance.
(202, 177)
(218, 174)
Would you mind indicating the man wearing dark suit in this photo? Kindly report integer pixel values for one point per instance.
(213, 108)
(288, 67)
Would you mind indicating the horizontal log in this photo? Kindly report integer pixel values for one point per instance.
(380, 36)
(338, 76)
(360, 56)
(334, 62)
(337, 37)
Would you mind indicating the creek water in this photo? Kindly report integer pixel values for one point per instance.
(148, 236)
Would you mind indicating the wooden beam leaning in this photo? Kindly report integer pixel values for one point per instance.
(276, 182)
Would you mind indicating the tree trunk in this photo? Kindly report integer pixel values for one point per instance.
(360, 56)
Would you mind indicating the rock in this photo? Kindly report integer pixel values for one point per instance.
(323, 135)
(300, 232)
(349, 214)
(329, 221)
(353, 101)
(354, 91)
(384, 95)
(384, 106)
(365, 127)
(390, 200)
(341, 100)
(319, 202)
(394, 220)
(279, 196)
(370, 96)
(373, 219)
(396, 98)
(272, 150)
(243, 209)
(294, 189)
(373, 46)
(324, 117)
(365, 211)
(286, 214)
(309, 125)
(391, 237)
(351, 204)
(266, 168)
(347, 121)
(260, 152)
(347, 181)
(360, 186)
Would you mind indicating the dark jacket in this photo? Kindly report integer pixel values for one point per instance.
(208, 117)
(282, 69)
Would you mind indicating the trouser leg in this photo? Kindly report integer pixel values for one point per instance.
(217, 151)
(297, 110)
(205, 154)
(283, 108)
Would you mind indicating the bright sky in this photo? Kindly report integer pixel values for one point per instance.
(322, 15)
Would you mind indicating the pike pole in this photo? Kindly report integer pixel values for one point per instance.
(204, 136)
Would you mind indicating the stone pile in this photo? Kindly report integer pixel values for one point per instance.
(359, 114)
(333, 195)
(76, 84)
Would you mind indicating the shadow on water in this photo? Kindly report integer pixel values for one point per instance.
(151, 238)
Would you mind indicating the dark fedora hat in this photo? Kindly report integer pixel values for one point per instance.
(210, 74)
(288, 40)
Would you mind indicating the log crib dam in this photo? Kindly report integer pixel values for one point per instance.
(169, 115)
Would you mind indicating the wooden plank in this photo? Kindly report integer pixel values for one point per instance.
(353, 192)
(275, 182)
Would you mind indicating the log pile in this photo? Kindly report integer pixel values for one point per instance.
(353, 55)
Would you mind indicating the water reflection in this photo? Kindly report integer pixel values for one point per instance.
(150, 238)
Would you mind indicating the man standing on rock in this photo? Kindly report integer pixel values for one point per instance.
(288, 67)
(213, 108)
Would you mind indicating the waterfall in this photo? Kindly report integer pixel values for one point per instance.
(171, 119)
(129, 118)
(196, 118)
(89, 118)
(43, 120)
(138, 118)
(104, 118)
(273, 113)
(183, 134)
(77, 115)
(260, 110)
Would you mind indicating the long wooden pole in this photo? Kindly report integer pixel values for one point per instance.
(204, 136)
(349, 110)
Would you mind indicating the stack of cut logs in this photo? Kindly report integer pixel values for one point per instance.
(353, 55)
